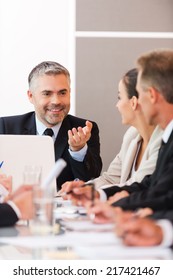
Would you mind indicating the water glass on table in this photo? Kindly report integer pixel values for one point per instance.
(42, 222)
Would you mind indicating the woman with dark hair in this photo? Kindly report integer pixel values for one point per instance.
(139, 149)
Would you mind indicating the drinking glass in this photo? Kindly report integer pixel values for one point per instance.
(42, 222)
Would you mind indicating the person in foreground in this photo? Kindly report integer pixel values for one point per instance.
(139, 149)
(76, 140)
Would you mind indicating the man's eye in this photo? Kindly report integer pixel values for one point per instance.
(62, 92)
(46, 93)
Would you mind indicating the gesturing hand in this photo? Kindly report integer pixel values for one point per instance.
(78, 137)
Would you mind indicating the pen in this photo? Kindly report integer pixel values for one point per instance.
(92, 215)
(1, 163)
(89, 183)
(92, 193)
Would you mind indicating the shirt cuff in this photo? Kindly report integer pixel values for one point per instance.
(15, 208)
(167, 229)
(103, 196)
(79, 155)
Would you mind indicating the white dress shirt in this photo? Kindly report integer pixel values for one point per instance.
(77, 155)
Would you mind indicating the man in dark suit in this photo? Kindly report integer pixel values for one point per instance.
(155, 88)
(76, 140)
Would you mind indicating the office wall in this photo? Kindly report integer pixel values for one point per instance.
(30, 31)
(110, 35)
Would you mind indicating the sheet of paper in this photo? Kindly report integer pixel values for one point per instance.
(120, 251)
(10, 252)
(95, 245)
(87, 225)
(69, 239)
(98, 245)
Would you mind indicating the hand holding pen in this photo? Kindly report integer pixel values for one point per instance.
(79, 192)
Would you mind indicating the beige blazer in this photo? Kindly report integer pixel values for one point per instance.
(120, 168)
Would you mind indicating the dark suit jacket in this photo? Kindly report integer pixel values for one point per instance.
(8, 216)
(164, 214)
(155, 191)
(89, 168)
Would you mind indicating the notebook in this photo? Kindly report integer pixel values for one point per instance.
(18, 151)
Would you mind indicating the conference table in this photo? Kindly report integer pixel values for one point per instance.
(73, 237)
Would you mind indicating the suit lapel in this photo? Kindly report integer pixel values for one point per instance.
(129, 158)
(168, 149)
(62, 138)
(30, 126)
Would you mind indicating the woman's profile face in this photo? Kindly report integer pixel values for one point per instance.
(124, 104)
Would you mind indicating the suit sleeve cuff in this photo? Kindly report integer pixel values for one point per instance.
(15, 208)
(167, 229)
(79, 155)
(103, 196)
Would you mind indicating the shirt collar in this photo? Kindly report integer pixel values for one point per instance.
(40, 128)
(167, 132)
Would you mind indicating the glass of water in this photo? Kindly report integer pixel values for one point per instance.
(42, 222)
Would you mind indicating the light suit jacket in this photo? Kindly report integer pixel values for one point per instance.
(120, 168)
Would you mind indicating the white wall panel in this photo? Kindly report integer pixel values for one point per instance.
(30, 31)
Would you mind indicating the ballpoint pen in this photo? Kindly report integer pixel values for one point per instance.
(88, 183)
(1, 163)
(92, 215)
(92, 192)
(60, 193)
